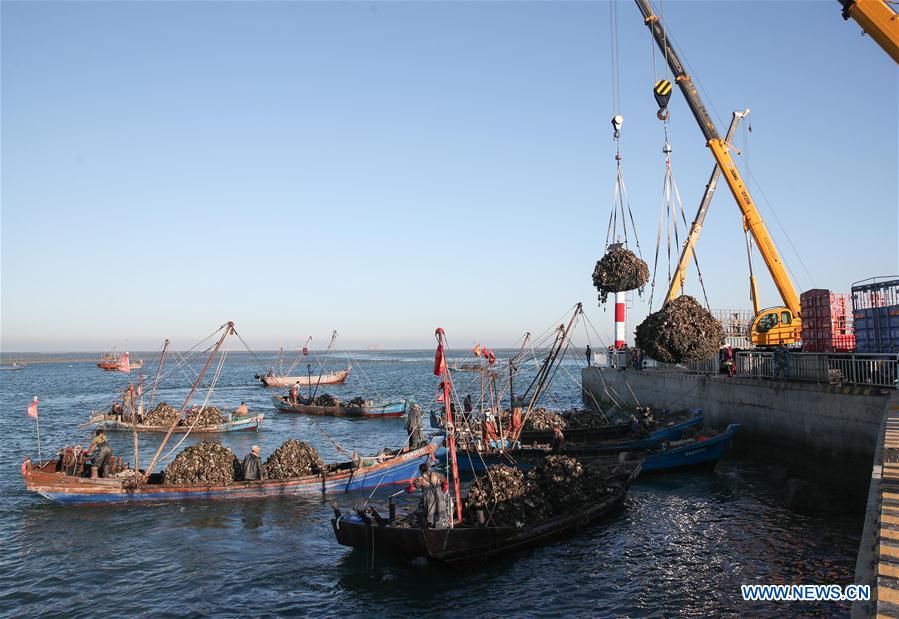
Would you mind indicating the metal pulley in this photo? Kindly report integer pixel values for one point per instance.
(662, 93)
(617, 121)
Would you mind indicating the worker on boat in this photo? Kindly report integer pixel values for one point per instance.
(589, 356)
(104, 452)
(781, 361)
(558, 441)
(241, 412)
(252, 465)
(295, 393)
(467, 405)
(413, 427)
(128, 401)
(432, 509)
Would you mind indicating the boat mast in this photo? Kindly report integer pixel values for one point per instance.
(321, 368)
(165, 346)
(440, 369)
(229, 329)
(295, 361)
(543, 376)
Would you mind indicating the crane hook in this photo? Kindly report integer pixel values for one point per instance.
(617, 121)
(663, 114)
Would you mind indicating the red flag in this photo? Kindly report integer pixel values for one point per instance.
(305, 351)
(32, 408)
(438, 361)
(123, 365)
(491, 357)
(440, 395)
(477, 350)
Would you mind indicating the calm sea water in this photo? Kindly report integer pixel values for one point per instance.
(683, 544)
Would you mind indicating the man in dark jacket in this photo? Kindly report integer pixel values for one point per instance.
(104, 452)
(252, 465)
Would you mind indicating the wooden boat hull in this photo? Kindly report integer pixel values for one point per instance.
(66, 489)
(378, 411)
(676, 426)
(248, 424)
(615, 445)
(329, 378)
(704, 453)
(466, 545)
(700, 453)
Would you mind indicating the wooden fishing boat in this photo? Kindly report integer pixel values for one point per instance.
(327, 378)
(467, 543)
(396, 408)
(466, 367)
(699, 452)
(111, 362)
(666, 427)
(671, 428)
(48, 480)
(114, 423)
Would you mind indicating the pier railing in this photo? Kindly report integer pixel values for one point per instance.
(876, 370)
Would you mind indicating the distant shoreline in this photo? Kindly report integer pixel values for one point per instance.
(36, 358)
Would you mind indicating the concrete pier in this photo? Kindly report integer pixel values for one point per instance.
(878, 555)
(826, 434)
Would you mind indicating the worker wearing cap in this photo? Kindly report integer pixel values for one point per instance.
(104, 451)
(295, 393)
(252, 465)
(781, 358)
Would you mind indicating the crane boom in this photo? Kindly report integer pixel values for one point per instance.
(878, 20)
(687, 252)
(719, 148)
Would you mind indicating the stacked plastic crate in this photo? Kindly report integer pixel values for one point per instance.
(827, 324)
(875, 306)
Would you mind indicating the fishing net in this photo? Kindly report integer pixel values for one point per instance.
(356, 402)
(618, 271)
(203, 463)
(557, 485)
(292, 459)
(543, 419)
(501, 493)
(681, 332)
(162, 415)
(326, 399)
(586, 419)
(205, 416)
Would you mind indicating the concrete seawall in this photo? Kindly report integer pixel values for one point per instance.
(823, 433)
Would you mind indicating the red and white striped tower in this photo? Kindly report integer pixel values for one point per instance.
(620, 325)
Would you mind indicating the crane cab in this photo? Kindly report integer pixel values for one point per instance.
(773, 324)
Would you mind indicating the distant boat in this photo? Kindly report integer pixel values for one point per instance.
(380, 409)
(110, 362)
(115, 423)
(13, 366)
(328, 378)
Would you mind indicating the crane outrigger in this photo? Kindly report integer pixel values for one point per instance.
(770, 325)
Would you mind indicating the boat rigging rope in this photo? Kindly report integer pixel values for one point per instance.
(250, 350)
(209, 391)
(368, 380)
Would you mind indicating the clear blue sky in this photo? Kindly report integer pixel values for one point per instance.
(385, 168)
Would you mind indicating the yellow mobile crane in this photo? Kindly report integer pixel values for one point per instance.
(878, 20)
(770, 325)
